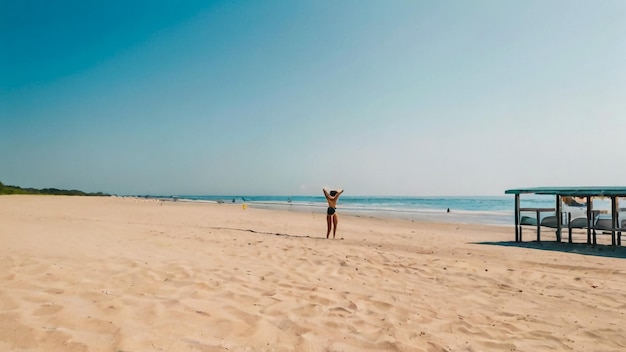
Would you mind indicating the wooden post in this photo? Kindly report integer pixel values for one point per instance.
(613, 219)
(558, 218)
(538, 226)
(617, 222)
(518, 232)
(569, 228)
(589, 220)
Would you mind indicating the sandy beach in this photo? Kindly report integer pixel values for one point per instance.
(125, 274)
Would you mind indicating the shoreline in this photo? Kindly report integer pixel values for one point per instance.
(391, 210)
(480, 210)
(111, 274)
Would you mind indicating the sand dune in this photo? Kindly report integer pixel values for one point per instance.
(122, 274)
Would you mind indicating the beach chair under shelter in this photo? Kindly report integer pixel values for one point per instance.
(578, 192)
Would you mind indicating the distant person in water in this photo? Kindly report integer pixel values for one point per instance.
(331, 216)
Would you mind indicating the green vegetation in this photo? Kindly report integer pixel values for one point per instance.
(51, 191)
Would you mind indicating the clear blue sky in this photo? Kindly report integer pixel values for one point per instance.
(285, 97)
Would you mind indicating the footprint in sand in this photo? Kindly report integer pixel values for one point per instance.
(47, 309)
(54, 291)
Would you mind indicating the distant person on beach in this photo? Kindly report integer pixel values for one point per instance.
(331, 216)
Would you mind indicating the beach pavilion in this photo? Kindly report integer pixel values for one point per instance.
(591, 222)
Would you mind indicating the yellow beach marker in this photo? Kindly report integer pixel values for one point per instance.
(243, 206)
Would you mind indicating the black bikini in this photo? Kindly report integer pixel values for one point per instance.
(330, 211)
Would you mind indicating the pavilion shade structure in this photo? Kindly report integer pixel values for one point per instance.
(572, 191)
(587, 193)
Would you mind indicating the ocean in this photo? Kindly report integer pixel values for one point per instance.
(489, 210)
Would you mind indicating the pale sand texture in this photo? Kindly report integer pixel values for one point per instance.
(121, 274)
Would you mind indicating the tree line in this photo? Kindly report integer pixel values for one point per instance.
(5, 189)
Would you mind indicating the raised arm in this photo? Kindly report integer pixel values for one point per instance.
(329, 197)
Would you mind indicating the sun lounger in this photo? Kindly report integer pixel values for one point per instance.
(605, 225)
(528, 220)
(576, 223)
(549, 221)
(531, 221)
